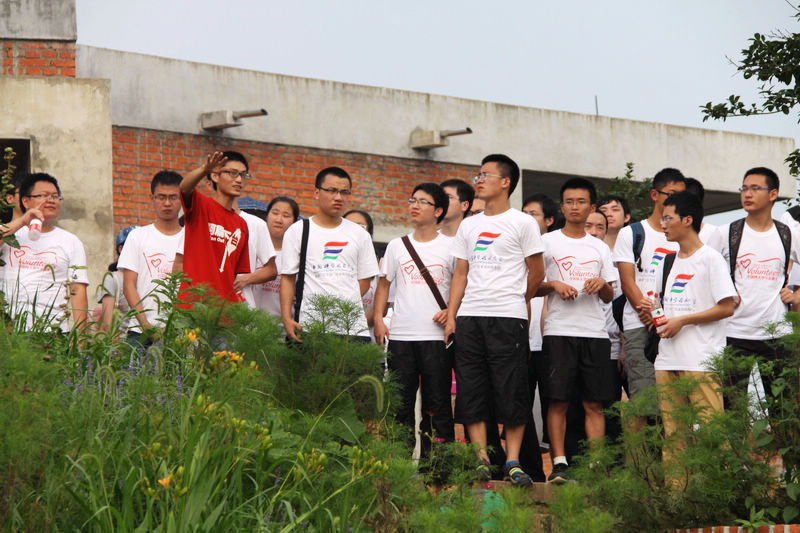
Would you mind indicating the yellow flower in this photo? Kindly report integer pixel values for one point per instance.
(191, 335)
(164, 482)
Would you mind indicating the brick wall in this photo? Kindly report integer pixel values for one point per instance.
(381, 184)
(38, 58)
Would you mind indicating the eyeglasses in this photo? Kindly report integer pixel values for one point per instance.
(333, 191)
(421, 201)
(481, 176)
(667, 194)
(754, 189)
(581, 202)
(52, 197)
(668, 219)
(233, 174)
(164, 197)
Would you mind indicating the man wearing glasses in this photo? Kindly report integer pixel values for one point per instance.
(340, 258)
(216, 237)
(149, 252)
(759, 273)
(418, 357)
(499, 268)
(44, 271)
(637, 274)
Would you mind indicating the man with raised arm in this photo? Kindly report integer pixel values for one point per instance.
(499, 268)
(216, 237)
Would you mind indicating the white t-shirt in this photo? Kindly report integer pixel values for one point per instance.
(150, 254)
(573, 261)
(496, 248)
(695, 284)
(112, 286)
(535, 326)
(414, 304)
(260, 249)
(267, 295)
(654, 249)
(759, 278)
(336, 259)
(712, 236)
(794, 274)
(36, 274)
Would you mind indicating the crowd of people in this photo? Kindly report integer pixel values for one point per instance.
(537, 319)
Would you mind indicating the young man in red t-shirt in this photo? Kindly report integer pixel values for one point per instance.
(216, 237)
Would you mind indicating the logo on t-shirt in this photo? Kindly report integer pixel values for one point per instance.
(659, 254)
(750, 267)
(485, 240)
(158, 265)
(415, 276)
(230, 246)
(571, 270)
(333, 249)
(25, 258)
(679, 285)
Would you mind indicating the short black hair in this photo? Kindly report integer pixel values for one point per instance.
(508, 168)
(370, 225)
(165, 177)
(285, 199)
(695, 187)
(773, 182)
(27, 183)
(237, 156)
(600, 213)
(465, 191)
(687, 205)
(439, 197)
(336, 171)
(549, 206)
(607, 199)
(667, 175)
(579, 183)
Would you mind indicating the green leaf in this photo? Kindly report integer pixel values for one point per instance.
(793, 490)
(764, 439)
(759, 426)
(790, 513)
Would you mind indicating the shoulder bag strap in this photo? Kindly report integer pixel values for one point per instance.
(734, 241)
(425, 274)
(301, 274)
(786, 239)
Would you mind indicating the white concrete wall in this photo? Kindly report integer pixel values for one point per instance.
(167, 94)
(38, 19)
(68, 122)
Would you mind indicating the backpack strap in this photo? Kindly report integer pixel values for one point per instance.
(786, 239)
(669, 259)
(638, 243)
(794, 212)
(301, 274)
(734, 241)
(424, 271)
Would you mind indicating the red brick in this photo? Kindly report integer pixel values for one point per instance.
(32, 62)
(49, 53)
(33, 54)
(32, 44)
(64, 63)
(66, 54)
(70, 72)
(33, 71)
(50, 71)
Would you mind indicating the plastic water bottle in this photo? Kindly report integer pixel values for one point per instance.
(657, 312)
(34, 229)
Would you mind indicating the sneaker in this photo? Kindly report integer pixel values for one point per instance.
(516, 475)
(483, 471)
(559, 474)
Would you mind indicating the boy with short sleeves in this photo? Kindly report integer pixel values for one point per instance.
(637, 276)
(696, 300)
(759, 274)
(417, 355)
(149, 253)
(498, 269)
(340, 258)
(576, 345)
(45, 272)
(216, 237)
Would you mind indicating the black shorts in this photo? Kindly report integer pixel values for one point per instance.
(577, 364)
(491, 365)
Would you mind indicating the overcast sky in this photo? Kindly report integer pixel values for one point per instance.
(645, 60)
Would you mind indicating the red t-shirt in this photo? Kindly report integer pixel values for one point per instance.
(215, 247)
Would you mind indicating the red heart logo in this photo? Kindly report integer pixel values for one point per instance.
(566, 265)
(155, 262)
(408, 269)
(745, 263)
(19, 253)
